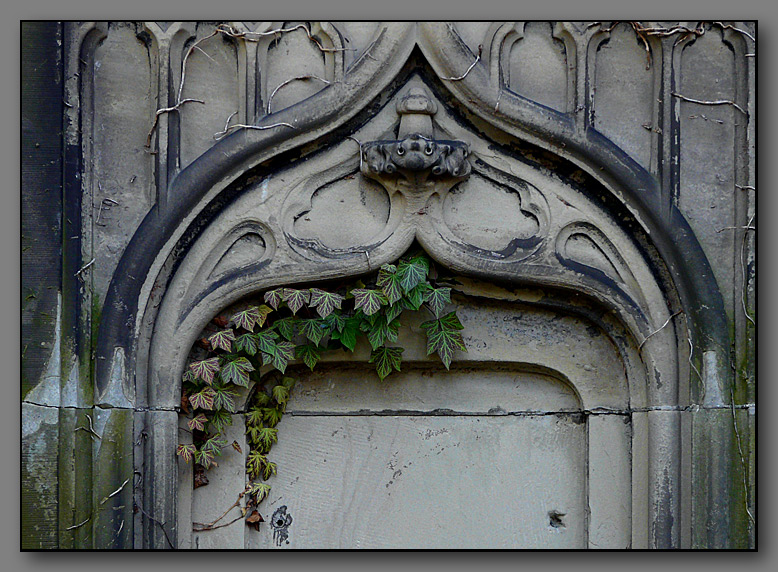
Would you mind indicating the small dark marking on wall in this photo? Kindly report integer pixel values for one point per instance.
(555, 519)
(281, 522)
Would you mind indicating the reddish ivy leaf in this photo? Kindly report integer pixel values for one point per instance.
(325, 302)
(389, 283)
(222, 339)
(247, 343)
(237, 371)
(370, 301)
(273, 297)
(382, 331)
(251, 316)
(296, 299)
(313, 329)
(198, 422)
(203, 399)
(412, 272)
(205, 369)
(186, 452)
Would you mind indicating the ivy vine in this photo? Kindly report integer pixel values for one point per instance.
(303, 324)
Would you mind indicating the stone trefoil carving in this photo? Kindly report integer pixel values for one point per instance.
(415, 155)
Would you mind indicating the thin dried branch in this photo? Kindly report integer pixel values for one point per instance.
(159, 112)
(207, 528)
(161, 524)
(116, 492)
(659, 329)
(366, 53)
(748, 227)
(230, 128)
(249, 36)
(84, 267)
(701, 116)
(80, 524)
(290, 80)
(464, 75)
(731, 27)
(745, 187)
(716, 102)
(694, 368)
(740, 451)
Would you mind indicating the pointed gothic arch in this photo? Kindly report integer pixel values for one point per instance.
(625, 253)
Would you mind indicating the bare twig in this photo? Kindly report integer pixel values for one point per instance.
(658, 329)
(717, 102)
(748, 227)
(228, 30)
(207, 528)
(79, 525)
(116, 492)
(230, 128)
(161, 524)
(745, 187)
(719, 121)
(167, 110)
(290, 80)
(740, 451)
(84, 267)
(464, 75)
(694, 368)
(366, 53)
(731, 27)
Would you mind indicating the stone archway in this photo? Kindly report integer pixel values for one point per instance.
(581, 220)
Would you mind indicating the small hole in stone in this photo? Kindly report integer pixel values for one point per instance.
(279, 522)
(555, 519)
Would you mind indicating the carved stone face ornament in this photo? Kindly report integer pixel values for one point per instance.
(416, 154)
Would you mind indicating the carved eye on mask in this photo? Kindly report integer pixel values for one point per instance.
(400, 150)
(428, 149)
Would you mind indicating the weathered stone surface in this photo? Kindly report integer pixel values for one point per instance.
(595, 243)
(40, 432)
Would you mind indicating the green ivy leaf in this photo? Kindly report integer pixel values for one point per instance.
(186, 452)
(237, 371)
(313, 329)
(220, 419)
(389, 281)
(269, 470)
(348, 336)
(222, 339)
(280, 394)
(254, 416)
(268, 436)
(415, 297)
(189, 376)
(335, 322)
(274, 297)
(247, 343)
(385, 359)
(283, 353)
(309, 353)
(203, 399)
(255, 462)
(272, 416)
(325, 302)
(198, 422)
(296, 299)
(393, 312)
(287, 327)
(259, 491)
(205, 369)
(213, 446)
(437, 298)
(381, 331)
(266, 341)
(369, 301)
(224, 398)
(443, 337)
(412, 272)
(205, 458)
